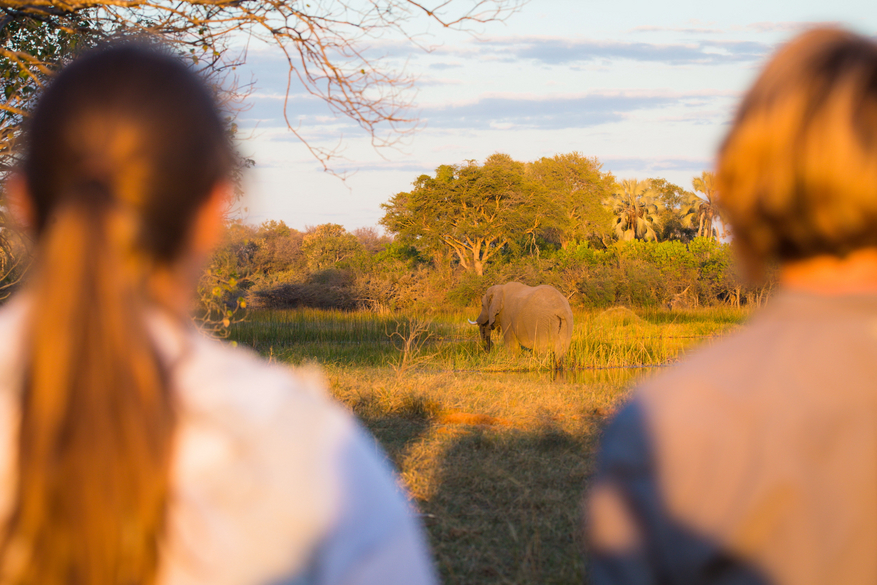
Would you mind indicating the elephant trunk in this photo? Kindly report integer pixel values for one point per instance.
(485, 337)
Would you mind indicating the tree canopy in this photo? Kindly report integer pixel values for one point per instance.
(478, 211)
(579, 186)
(672, 202)
(635, 206)
(328, 244)
(472, 209)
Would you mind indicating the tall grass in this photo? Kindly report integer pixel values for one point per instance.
(617, 337)
(495, 449)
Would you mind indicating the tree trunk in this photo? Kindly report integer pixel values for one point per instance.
(477, 260)
(461, 255)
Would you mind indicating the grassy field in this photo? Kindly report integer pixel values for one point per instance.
(494, 449)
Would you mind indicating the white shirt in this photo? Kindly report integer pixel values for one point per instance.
(272, 482)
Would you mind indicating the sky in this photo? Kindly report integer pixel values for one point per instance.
(647, 87)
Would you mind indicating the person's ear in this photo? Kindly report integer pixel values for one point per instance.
(19, 202)
(207, 228)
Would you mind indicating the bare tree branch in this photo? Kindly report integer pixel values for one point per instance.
(328, 46)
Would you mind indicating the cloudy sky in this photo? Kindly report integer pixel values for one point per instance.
(648, 87)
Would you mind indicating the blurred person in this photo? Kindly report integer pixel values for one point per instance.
(133, 450)
(755, 460)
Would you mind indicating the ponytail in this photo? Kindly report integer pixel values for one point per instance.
(97, 416)
(124, 148)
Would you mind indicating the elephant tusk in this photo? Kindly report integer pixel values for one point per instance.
(471, 322)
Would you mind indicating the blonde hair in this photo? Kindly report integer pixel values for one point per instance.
(123, 149)
(797, 174)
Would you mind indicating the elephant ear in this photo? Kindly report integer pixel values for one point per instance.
(495, 307)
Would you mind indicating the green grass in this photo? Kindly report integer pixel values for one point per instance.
(495, 449)
(616, 337)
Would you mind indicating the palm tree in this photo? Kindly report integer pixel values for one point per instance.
(636, 210)
(703, 212)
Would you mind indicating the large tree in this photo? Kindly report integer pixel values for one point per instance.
(473, 210)
(579, 186)
(635, 207)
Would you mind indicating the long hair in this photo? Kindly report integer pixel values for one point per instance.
(124, 147)
(798, 169)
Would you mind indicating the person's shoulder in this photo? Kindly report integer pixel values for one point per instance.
(715, 364)
(262, 452)
(715, 389)
(282, 418)
(215, 375)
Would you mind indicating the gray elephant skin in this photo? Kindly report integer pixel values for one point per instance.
(536, 317)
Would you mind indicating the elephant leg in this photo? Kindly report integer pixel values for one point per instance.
(511, 341)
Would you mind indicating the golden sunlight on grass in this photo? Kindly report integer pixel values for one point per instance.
(494, 449)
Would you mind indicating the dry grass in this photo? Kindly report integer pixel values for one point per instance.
(496, 462)
(494, 449)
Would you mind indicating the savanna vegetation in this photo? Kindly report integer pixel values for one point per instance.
(559, 220)
(495, 450)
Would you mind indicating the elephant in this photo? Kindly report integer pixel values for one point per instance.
(538, 318)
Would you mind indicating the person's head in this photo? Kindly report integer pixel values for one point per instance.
(129, 133)
(797, 174)
(126, 161)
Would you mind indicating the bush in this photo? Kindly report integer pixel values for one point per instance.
(327, 289)
(331, 268)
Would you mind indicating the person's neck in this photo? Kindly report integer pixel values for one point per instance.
(830, 275)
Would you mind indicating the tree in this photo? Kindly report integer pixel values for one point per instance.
(372, 240)
(579, 186)
(14, 256)
(327, 46)
(278, 248)
(327, 244)
(672, 205)
(703, 212)
(473, 210)
(636, 210)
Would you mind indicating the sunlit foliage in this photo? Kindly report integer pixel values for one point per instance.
(635, 207)
(703, 212)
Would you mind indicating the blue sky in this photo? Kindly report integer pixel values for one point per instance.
(648, 87)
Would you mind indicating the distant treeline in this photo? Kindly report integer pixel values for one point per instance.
(328, 267)
(559, 220)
